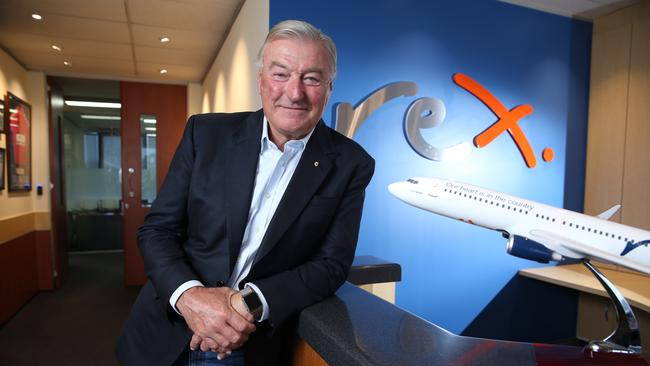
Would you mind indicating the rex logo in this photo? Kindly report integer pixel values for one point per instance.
(429, 112)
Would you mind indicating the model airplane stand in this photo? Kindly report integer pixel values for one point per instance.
(626, 337)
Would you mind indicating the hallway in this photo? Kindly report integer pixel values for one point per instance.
(75, 325)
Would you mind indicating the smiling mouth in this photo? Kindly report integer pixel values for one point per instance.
(294, 108)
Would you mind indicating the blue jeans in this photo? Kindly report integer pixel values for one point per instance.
(199, 358)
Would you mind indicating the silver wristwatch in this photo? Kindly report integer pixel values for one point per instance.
(252, 302)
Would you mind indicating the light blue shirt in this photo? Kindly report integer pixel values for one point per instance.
(274, 171)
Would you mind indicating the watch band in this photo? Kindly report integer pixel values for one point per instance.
(252, 302)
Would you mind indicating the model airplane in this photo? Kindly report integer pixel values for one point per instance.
(534, 230)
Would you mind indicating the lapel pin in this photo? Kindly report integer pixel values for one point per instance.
(316, 163)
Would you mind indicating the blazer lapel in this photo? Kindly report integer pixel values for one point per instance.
(314, 165)
(240, 173)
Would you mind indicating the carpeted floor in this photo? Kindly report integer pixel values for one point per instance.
(75, 325)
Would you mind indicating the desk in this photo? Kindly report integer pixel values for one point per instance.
(94, 230)
(376, 276)
(596, 314)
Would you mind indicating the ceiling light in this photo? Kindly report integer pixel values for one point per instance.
(82, 103)
(67, 63)
(36, 16)
(149, 120)
(150, 128)
(91, 116)
(56, 48)
(163, 71)
(164, 39)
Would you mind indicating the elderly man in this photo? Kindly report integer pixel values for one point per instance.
(258, 218)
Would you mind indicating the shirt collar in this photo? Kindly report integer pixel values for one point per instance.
(265, 140)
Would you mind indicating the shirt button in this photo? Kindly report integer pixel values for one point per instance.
(267, 195)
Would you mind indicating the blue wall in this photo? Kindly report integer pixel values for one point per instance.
(452, 270)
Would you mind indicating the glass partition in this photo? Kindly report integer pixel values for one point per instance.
(91, 149)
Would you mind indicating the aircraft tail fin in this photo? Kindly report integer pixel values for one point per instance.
(609, 213)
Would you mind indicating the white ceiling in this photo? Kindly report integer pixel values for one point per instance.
(119, 39)
(580, 9)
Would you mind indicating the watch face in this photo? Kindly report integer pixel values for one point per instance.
(253, 303)
(252, 300)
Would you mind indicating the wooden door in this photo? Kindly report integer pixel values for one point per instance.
(153, 117)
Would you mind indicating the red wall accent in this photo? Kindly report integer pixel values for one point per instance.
(44, 255)
(25, 264)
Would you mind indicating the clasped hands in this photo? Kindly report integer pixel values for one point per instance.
(218, 317)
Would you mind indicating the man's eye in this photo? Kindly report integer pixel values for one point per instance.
(280, 76)
(310, 80)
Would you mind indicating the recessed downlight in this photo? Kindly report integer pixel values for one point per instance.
(164, 39)
(56, 48)
(37, 16)
(163, 71)
(67, 63)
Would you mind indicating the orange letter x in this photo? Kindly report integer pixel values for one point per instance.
(507, 119)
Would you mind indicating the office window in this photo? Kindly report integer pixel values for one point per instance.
(101, 151)
(91, 150)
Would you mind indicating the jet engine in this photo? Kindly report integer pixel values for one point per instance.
(523, 247)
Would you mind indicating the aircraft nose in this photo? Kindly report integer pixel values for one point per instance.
(397, 189)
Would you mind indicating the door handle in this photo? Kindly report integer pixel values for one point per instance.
(129, 183)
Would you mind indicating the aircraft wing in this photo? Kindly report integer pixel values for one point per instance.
(584, 250)
(609, 213)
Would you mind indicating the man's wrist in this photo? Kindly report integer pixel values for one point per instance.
(176, 296)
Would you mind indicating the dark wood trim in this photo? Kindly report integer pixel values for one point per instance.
(44, 259)
(18, 274)
(59, 242)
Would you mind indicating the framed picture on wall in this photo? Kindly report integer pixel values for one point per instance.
(2, 169)
(18, 127)
(2, 115)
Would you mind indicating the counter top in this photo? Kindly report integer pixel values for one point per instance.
(356, 328)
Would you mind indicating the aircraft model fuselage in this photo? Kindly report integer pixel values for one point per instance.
(534, 230)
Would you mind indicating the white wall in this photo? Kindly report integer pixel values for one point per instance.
(194, 95)
(29, 86)
(231, 83)
(37, 89)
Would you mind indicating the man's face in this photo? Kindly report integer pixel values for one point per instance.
(294, 83)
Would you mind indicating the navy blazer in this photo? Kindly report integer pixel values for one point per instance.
(196, 225)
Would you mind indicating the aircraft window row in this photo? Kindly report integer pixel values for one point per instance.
(480, 199)
(582, 227)
(543, 217)
(548, 218)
